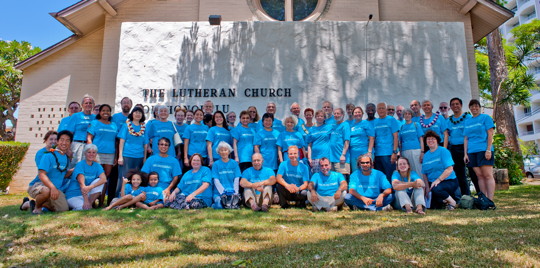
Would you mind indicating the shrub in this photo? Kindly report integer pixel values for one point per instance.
(11, 154)
(509, 159)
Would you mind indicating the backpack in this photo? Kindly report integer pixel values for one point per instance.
(466, 202)
(483, 202)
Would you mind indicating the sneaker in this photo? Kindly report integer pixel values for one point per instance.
(332, 209)
(264, 208)
(388, 208)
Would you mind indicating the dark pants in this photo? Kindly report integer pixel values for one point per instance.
(442, 191)
(285, 196)
(460, 170)
(129, 164)
(384, 164)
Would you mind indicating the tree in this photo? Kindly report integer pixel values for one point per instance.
(11, 52)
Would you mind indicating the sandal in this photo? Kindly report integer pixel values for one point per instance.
(420, 211)
(450, 207)
(25, 199)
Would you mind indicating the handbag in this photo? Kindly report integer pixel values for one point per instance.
(176, 137)
(483, 202)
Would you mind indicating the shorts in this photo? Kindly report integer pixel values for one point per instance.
(106, 159)
(58, 205)
(344, 169)
(478, 159)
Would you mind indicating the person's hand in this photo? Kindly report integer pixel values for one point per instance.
(120, 161)
(210, 162)
(418, 184)
(314, 196)
(55, 193)
(435, 183)
(310, 162)
(337, 195)
(367, 201)
(189, 198)
(292, 188)
(166, 193)
(149, 150)
(393, 158)
(125, 180)
(379, 201)
(488, 155)
(143, 196)
(342, 159)
(186, 162)
(85, 189)
(466, 158)
(171, 197)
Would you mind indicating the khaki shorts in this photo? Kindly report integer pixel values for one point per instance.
(58, 205)
(344, 169)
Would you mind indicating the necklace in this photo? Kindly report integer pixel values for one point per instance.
(459, 120)
(430, 123)
(132, 131)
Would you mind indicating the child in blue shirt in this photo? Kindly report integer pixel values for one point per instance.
(154, 193)
(132, 191)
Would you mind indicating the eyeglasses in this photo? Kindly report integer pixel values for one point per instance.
(443, 108)
(390, 109)
(364, 163)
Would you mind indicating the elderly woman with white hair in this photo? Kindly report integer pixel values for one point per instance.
(290, 137)
(226, 177)
(86, 181)
(160, 128)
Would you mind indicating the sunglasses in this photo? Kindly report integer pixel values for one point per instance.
(443, 108)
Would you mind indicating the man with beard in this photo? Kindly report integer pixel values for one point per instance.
(120, 118)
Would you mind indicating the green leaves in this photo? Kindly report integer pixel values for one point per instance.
(11, 154)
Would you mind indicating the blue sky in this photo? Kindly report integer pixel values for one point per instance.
(29, 20)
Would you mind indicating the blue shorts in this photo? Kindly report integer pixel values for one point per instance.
(479, 159)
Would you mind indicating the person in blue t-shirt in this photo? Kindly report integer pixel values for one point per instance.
(328, 109)
(295, 111)
(195, 189)
(78, 125)
(180, 128)
(131, 192)
(318, 141)
(195, 138)
(409, 187)
(47, 188)
(276, 123)
(86, 181)
(154, 193)
(166, 166)
(217, 133)
(340, 138)
(132, 144)
(160, 128)
(327, 188)
(243, 139)
(50, 141)
(288, 138)
(434, 121)
(368, 188)
(386, 141)
(257, 182)
(120, 118)
(411, 141)
(478, 145)
(73, 108)
(362, 137)
(439, 173)
(266, 142)
(292, 180)
(226, 178)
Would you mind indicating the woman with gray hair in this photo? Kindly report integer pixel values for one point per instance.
(86, 181)
(160, 128)
(288, 138)
(411, 142)
(226, 177)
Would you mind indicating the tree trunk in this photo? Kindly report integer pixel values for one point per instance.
(503, 112)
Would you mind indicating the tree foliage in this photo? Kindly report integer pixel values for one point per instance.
(11, 52)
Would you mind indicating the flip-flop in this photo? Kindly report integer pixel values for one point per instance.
(25, 199)
(33, 206)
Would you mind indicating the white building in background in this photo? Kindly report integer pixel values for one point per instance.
(527, 117)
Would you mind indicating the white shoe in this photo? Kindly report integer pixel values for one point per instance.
(388, 208)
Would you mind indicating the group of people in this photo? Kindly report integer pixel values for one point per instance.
(391, 158)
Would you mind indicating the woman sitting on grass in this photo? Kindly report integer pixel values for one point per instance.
(194, 190)
(409, 187)
(132, 191)
(154, 193)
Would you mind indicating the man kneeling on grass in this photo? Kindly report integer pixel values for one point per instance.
(292, 179)
(47, 187)
(369, 188)
(257, 182)
(327, 188)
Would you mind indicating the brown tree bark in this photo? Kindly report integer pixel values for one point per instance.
(503, 112)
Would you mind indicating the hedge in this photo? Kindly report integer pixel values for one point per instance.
(11, 155)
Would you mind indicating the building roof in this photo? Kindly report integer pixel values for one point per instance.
(87, 16)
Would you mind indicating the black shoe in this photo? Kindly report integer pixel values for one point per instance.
(32, 205)
(26, 199)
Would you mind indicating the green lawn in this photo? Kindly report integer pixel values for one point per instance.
(508, 236)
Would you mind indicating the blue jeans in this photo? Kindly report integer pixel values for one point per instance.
(351, 201)
(384, 164)
(442, 191)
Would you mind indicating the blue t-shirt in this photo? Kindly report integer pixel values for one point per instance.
(436, 162)
(157, 130)
(455, 130)
(287, 139)
(476, 133)
(384, 139)
(180, 129)
(409, 136)
(153, 194)
(244, 137)
(167, 168)
(64, 123)
(252, 175)
(319, 138)
(330, 121)
(298, 126)
(225, 173)
(438, 127)
(79, 124)
(90, 173)
(118, 119)
(191, 181)
(296, 175)
(133, 145)
(48, 164)
(128, 189)
(104, 136)
(360, 133)
(327, 185)
(370, 186)
(267, 142)
(397, 176)
(340, 133)
(196, 134)
(39, 155)
(215, 135)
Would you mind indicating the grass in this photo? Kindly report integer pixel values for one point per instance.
(507, 236)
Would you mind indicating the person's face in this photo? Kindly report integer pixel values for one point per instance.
(293, 155)
(267, 122)
(431, 142)
(357, 114)
(137, 115)
(208, 107)
(51, 141)
(74, 108)
(219, 119)
(289, 124)
(381, 110)
(407, 117)
(456, 106)
(153, 180)
(189, 116)
(271, 108)
(327, 108)
(415, 106)
(399, 111)
(350, 111)
(196, 162)
(257, 161)
(163, 147)
(338, 115)
(88, 105)
(390, 110)
(370, 111)
(365, 164)
(308, 116)
(325, 167)
(224, 153)
(231, 118)
(319, 118)
(163, 114)
(475, 109)
(126, 105)
(252, 112)
(295, 109)
(443, 107)
(96, 109)
(427, 107)
(91, 155)
(105, 113)
(63, 143)
(136, 180)
(403, 165)
(179, 117)
(245, 120)
(198, 116)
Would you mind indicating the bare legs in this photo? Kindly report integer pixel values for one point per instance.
(486, 180)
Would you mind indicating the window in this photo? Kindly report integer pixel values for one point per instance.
(288, 10)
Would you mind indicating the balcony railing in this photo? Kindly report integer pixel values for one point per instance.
(525, 133)
(526, 115)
